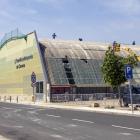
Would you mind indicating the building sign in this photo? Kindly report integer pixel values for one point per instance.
(25, 58)
(20, 66)
(22, 59)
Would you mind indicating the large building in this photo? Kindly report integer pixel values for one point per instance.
(61, 66)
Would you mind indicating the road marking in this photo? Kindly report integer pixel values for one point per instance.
(41, 109)
(18, 126)
(33, 112)
(17, 110)
(73, 125)
(126, 127)
(25, 107)
(36, 120)
(53, 116)
(56, 136)
(82, 120)
(7, 108)
(126, 134)
(51, 108)
(11, 126)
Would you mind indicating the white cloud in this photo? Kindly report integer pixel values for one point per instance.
(51, 1)
(6, 15)
(127, 7)
(28, 11)
(40, 0)
(126, 14)
(3, 13)
(57, 4)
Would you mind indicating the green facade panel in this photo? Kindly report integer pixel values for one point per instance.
(3, 91)
(3, 60)
(29, 50)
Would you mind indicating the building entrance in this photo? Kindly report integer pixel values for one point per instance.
(39, 91)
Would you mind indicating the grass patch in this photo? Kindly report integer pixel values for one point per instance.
(109, 107)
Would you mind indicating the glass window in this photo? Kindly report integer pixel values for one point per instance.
(62, 75)
(69, 75)
(57, 81)
(138, 90)
(64, 81)
(71, 81)
(39, 87)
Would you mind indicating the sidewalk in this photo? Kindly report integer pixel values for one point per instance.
(80, 108)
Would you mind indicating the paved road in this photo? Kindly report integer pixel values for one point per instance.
(26, 122)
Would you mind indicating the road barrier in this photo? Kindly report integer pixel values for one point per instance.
(14, 99)
(5, 98)
(17, 99)
(10, 98)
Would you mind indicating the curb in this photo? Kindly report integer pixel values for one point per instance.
(74, 108)
(97, 111)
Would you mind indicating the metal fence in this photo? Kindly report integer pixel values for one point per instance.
(15, 34)
(82, 97)
(102, 98)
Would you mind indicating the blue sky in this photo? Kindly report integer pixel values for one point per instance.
(92, 20)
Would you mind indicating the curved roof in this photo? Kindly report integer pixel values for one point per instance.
(81, 49)
(74, 49)
(84, 74)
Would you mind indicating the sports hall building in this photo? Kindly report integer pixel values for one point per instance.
(61, 66)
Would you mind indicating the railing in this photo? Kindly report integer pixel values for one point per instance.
(102, 98)
(83, 97)
(13, 35)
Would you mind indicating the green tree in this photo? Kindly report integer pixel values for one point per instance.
(113, 69)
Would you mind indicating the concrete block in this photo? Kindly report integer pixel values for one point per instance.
(78, 99)
(106, 98)
(94, 105)
(112, 107)
(92, 98)
(134, 108)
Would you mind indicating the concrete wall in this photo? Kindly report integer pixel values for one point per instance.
(14, 79)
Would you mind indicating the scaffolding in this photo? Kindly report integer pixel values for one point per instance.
(13, 35)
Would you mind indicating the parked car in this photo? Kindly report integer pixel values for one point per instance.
(135, 95)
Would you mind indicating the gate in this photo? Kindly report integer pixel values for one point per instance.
(39, 97)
